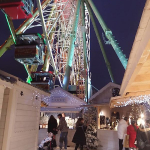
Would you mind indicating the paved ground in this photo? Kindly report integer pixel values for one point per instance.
(69, 148)
(72, 148)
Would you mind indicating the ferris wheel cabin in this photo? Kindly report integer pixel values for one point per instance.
(43, 80)
(17, 9)
(30, 49)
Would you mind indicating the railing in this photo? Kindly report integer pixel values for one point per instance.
(28, 6)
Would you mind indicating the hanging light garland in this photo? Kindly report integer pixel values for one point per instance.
(61, 96)
(142, 99)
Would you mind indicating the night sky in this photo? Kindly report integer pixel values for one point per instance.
(121, 16)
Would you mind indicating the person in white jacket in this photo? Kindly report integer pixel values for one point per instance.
(122, 130)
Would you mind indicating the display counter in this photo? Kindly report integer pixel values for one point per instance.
(43, 134)
(108, 139)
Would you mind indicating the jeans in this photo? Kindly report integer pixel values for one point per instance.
(63, 138)
(121, 145)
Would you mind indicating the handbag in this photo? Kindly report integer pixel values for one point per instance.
(138, 141)
(126, 141)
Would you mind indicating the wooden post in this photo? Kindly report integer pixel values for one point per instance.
(98, 117)
(10, 119)
(2, 88)
(37, 134)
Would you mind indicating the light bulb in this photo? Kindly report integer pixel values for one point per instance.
(142, 115)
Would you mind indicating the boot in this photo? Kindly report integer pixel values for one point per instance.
(76, 147)
(81, 147)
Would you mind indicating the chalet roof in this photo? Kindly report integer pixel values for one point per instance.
(9, 80)
(118, 101)
(136, 79)
(110, 84)
(63, 101)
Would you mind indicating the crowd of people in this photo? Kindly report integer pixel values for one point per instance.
(79, 137)
(133, 137)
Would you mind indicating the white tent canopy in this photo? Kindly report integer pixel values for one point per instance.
(61, 100)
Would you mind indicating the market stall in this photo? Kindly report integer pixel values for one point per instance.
(100, 100)
(140, 106)
(110, 109)
(61, 102)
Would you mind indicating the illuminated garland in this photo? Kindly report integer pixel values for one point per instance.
(60, 96)
(142, 99)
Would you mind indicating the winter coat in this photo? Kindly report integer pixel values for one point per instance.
(62, 125)
(122, 128)
(79, 136)
(52, 126)
(143, 138)
(132, 135)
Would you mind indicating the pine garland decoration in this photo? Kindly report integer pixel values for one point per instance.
(90, 117)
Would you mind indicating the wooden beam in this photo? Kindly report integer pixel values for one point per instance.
(142, 79)
(10, 119)
(2, 88)
(134, 94)
(139, 88)
(142, 67)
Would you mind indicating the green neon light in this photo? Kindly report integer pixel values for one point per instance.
(13, 37)
(38, 34)
(73, 36)
(29, 79)
(71, 47)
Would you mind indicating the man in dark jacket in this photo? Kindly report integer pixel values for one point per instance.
(143, 137)
(64, 131)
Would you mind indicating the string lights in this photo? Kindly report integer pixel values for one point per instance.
(142, 99)
(58, 95)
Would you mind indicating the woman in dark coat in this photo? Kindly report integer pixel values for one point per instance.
(52, 125)
(79, 136)
(143, 137)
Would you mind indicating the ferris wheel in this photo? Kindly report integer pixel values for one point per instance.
(63, 50)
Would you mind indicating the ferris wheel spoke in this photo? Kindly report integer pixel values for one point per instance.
(56, 19)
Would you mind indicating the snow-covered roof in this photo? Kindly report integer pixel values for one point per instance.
(10, 81)
(101, 91)
(61, 99)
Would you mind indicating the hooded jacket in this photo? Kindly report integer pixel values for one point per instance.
(62, 125)
(143, 138)
(52, 125)
(122, 128)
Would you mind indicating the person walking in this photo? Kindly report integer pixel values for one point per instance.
(131, 131)
(64, 131)
(79, 137)
(143, 136)
(122, 130)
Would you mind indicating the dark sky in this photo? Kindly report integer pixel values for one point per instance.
(121, 16)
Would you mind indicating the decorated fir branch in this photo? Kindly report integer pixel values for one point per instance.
(92, 141)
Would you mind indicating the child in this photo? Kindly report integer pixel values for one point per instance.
(79, 137)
